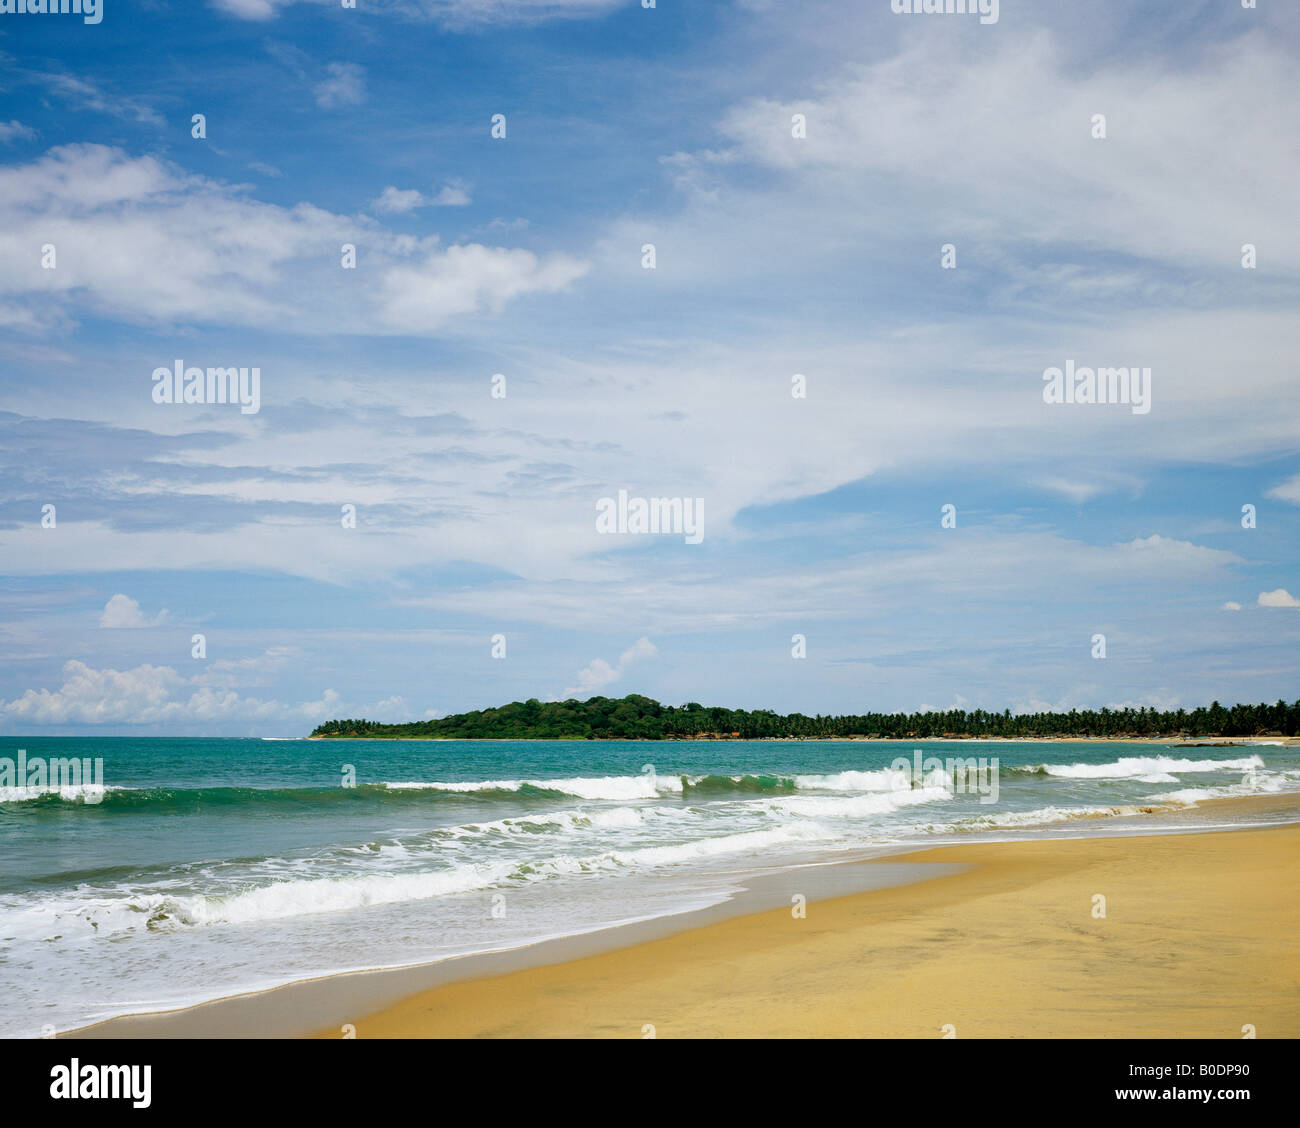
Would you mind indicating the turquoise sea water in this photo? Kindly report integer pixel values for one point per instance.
(209, 867)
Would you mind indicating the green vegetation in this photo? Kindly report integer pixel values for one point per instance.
(640, 718)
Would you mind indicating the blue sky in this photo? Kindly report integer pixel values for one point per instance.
(775, 255)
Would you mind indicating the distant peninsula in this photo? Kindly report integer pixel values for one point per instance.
(641, 718)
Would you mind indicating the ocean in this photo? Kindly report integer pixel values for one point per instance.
(210, 867)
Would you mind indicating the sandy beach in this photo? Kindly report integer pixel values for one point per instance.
(1200, 938)
(993, 939)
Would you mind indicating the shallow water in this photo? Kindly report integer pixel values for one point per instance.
(211, 867)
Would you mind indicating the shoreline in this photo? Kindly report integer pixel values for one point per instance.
(1198, 939)
(379, 1002)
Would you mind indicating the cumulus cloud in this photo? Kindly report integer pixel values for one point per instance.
(1278, 598)
(466, 278)
(398, 201)
(453, 195)
(599, 673)
(1232, 605)
(231, 260)
(151, 695)
(123, 613)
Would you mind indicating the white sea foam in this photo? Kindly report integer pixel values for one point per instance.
(883, 780)
(1042, 815)
(747, 841)
(604, 787)
(1160, 768)
(1263, 784)
(858, 806)
(164, 910)
(617, 818)
(76, 793)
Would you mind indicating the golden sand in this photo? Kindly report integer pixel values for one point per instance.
(1200, 937)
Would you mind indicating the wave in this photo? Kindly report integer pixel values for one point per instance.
(617, 818)
(1152, 769)
(117, 799)
(279, 899)
(647, 786)
(886, 779)
(83, 793)
(123, 799)
(859, 806)
(1261, 785)
(1010, 819)
(746, 784)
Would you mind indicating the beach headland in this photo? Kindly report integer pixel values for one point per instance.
(1179, 935)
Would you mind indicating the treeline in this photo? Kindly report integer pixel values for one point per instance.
(641, 718)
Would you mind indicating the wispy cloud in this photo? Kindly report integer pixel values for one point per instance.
(86, 94)
(345, 85)
(598, 674)
(1287, 491)
(15, 131)
(451, 12)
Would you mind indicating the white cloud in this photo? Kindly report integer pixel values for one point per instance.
(15, 131)
(85, 94)
(1287, 491)
(1278, 598)
(230, 260)
(1231, 605)
(453, 195)
(393, 200)
(451, 12)
(599, 673)
(345, 86)
(250, 9)
(1077, 491)
(466, 278)
(398, 201)
(391, 710)
(92, 696)
(257, 670)
(151, 695)
(1165, 183)
(122, 612)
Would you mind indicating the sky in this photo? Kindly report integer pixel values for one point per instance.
(873, 234)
